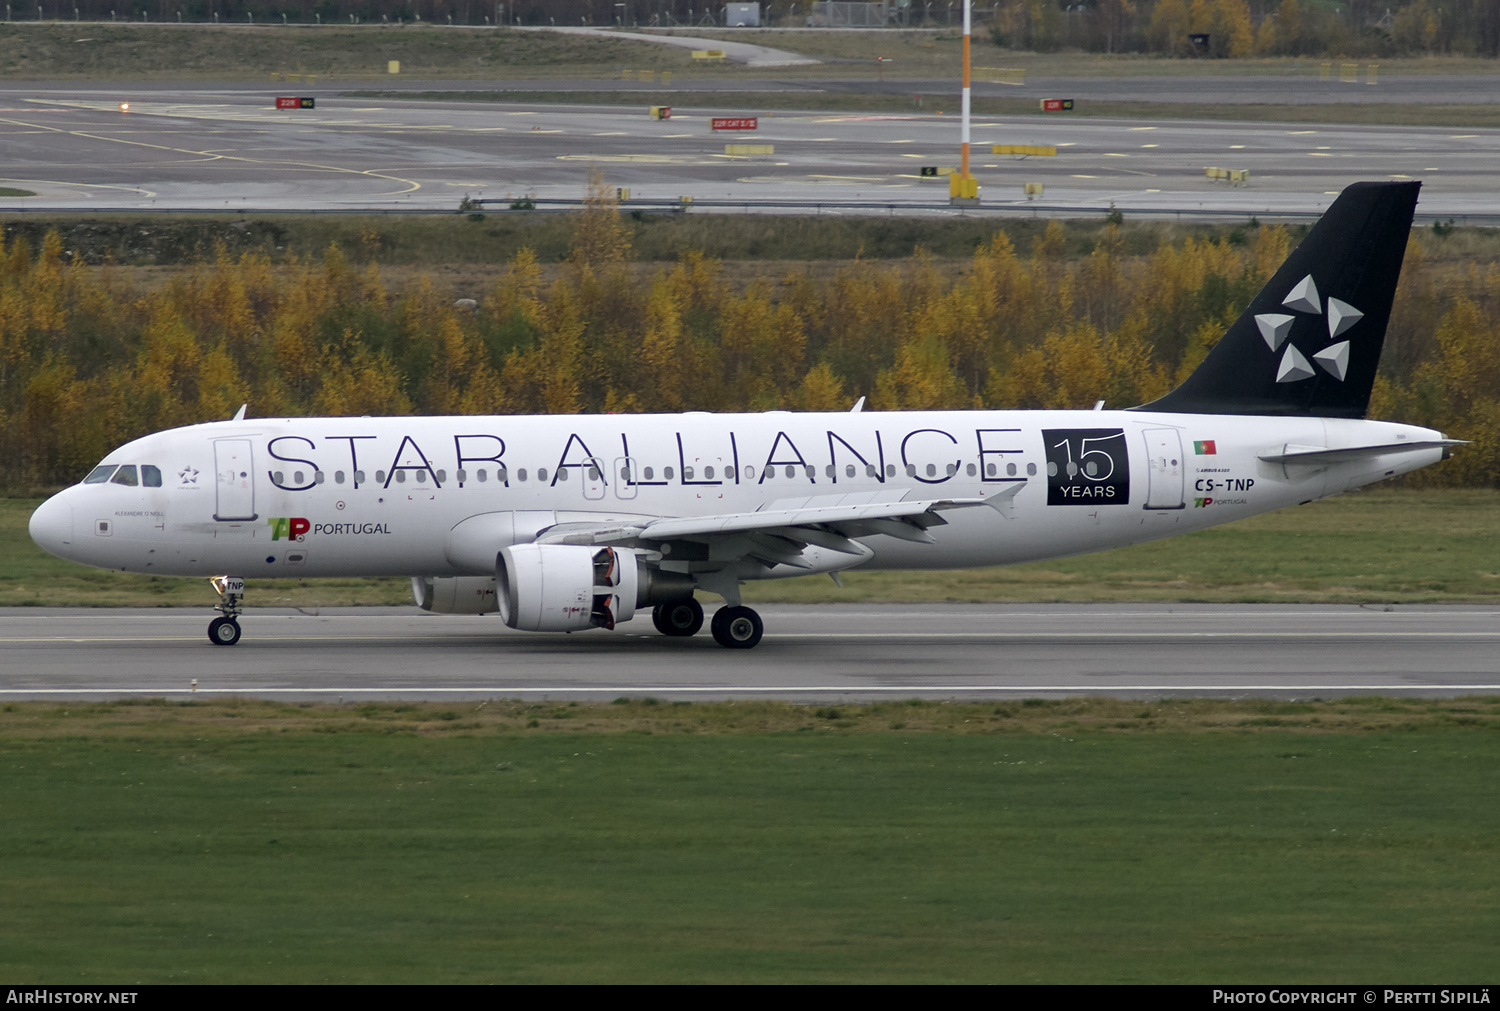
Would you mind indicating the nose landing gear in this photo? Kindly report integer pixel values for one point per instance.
(225, 630)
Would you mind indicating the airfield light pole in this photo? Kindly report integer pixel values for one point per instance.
(968, 6)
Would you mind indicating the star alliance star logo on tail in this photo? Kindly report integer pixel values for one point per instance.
(1276, 327)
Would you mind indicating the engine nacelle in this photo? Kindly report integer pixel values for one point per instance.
(455, 595)
(563, 587)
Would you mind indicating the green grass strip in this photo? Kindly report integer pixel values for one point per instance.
(1079, 841)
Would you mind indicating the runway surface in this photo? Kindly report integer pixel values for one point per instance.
(810, 653)
(229, 149)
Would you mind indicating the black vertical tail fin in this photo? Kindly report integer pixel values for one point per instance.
(1310, 342)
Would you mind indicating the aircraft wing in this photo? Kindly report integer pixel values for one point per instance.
(779, 530)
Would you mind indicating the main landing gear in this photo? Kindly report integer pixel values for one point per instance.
(225, 630)
(733, 627)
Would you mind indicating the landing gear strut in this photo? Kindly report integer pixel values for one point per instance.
(225, 630)
(736, 627)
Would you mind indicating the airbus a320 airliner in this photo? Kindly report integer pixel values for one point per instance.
(565, 523)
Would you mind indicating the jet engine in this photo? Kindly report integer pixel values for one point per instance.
(455, 595)
(563, 587)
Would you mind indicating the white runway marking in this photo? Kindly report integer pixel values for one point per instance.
(819, 636)
(638, 690)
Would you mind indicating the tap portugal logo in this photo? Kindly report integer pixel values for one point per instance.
(289, 528)
(296, 528)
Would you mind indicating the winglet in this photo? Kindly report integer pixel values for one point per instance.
(1004, 500)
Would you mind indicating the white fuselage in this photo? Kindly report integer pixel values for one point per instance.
(312, 497)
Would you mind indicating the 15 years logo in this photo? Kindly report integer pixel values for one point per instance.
(1087, 466)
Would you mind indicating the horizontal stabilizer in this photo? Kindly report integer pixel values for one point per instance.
(1323, 456)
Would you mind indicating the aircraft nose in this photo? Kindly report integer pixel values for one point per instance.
(51, 527)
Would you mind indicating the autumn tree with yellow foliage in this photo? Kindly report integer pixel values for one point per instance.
(89, 360)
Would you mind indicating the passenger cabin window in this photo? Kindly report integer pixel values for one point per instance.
(338, 477)
(100, 474)
(125, 475)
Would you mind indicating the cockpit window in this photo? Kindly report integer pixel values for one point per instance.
(150, 476)
(125, 475)
(100, 474)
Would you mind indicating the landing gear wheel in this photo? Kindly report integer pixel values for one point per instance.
(679, 618)
(737, 627)
(223, 631)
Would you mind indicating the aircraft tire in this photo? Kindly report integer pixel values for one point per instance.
(223, 631)
(679, 618)
(737, 627)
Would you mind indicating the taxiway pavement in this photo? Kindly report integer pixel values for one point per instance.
(231, 150)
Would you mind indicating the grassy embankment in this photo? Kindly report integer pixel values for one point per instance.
(1374, 547)
(767, 246)
(1077, 841)
(126, 52)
